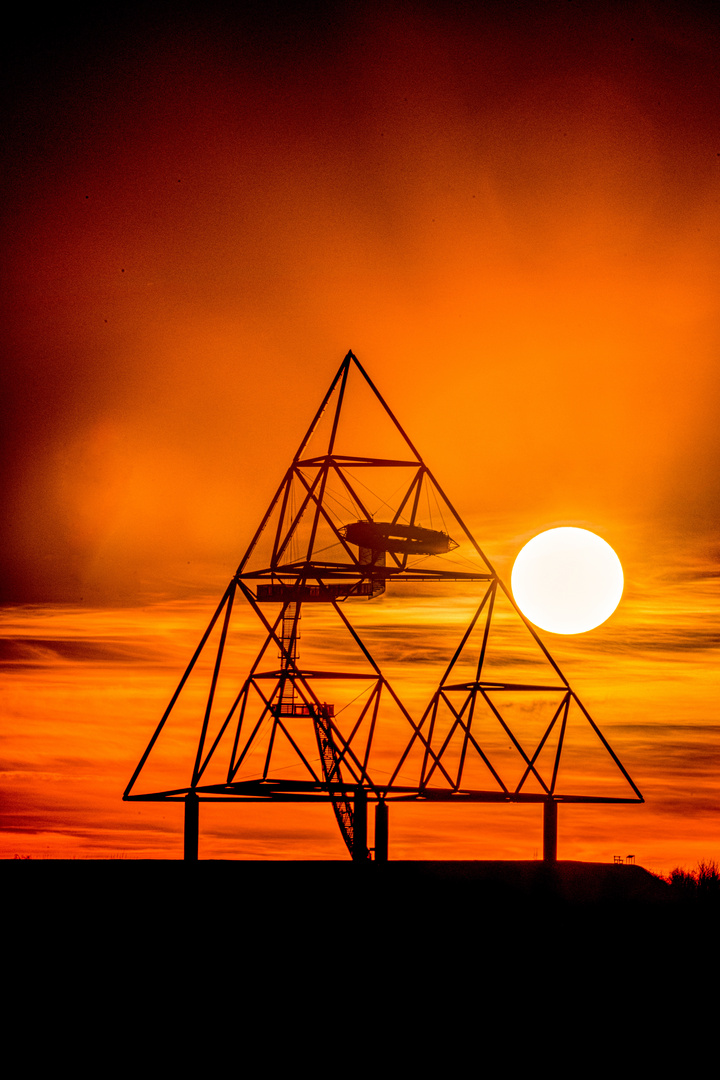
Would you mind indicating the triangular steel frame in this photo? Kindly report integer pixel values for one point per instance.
(402, 549)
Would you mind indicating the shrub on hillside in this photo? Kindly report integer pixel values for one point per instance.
(703, 882)
(708, 877)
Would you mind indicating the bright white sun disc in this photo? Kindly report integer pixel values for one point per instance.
(567, 580)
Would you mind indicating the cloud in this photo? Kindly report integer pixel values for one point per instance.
(47, 652)
(662, 639)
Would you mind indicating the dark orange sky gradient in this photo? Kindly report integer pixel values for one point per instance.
(510, 214)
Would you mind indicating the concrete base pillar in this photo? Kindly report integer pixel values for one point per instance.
(381, 831)
(192, 827)
(550, 831)
(360, 848)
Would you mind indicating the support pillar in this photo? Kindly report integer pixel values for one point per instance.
(360, 848)
(381, 831)
(192, 823)
(550, 830)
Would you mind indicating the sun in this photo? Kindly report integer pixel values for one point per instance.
(567, 580)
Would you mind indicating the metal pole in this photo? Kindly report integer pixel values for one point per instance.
(550, 830)
(359, 842)
(192, 821)
(381, 831)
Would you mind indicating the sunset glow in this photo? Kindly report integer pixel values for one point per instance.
(510, 215)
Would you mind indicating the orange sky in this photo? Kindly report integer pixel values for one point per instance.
(511, 218)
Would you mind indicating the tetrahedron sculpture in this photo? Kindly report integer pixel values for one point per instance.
(358, 518)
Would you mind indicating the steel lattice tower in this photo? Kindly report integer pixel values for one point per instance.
(345, 529)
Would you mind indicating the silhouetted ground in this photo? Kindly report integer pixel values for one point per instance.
(482, 884)
(401, 963)
(380, 904)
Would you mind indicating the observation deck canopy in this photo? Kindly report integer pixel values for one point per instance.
(401, 539)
